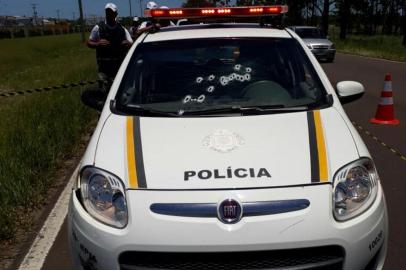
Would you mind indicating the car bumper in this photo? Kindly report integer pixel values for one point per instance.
(324, 53)
(97, 246)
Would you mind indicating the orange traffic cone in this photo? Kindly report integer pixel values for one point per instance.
(385, 113)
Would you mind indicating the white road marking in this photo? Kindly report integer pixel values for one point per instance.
(372, 58)
(35, 257)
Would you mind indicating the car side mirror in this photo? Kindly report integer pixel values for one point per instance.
(349, 91)
(94, 98)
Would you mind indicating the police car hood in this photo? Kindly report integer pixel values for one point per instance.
(284, 149)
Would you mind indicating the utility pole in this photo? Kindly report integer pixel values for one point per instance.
(82, 23)
(131, 14)
(404, 25)
(141, 15)
(35, 13)
(57, 14)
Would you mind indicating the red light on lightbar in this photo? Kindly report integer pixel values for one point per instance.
(274, 9)
(208, 11)
(278, 9)
(224, 11)
(256, 10)
(216, 11)
(250, 11)
(175, 12)
(157, 12)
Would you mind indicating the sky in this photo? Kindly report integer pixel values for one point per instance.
(70, 8)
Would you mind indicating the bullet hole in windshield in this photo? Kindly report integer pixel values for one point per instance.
(201, 98)
(210, 89)
(189, 98)
(240, 74)
(224, 80)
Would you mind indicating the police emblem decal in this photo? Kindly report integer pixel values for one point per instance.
(229, 211)
(223, 141)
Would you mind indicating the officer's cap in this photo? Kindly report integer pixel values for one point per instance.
(111, 6)
(151, 5)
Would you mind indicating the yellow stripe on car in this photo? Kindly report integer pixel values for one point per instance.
(132, 170)
(321, 147)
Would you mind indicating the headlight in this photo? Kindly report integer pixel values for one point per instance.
(355, 189)
(103, 196)
(333, 47)
(309, 46)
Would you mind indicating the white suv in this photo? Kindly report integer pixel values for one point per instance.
(224, 146)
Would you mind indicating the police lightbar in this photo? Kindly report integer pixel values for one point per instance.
(251, 11)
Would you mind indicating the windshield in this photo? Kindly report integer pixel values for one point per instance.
(309, 33)
(209, 74)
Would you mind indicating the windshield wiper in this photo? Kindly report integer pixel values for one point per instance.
(260, 109)
(241, 110)
(139, 110)
(273, 108)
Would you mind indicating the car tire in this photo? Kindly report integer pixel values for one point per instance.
(330, 60)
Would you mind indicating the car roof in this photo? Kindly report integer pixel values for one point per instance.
(215, 31)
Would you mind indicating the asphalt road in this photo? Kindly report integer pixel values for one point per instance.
(391, 167)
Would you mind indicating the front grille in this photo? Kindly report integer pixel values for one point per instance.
(328, 257)
(320, 46)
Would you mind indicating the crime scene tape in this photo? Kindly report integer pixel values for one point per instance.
(45, 89)
(385, 145)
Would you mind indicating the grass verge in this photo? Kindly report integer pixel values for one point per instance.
(385, 47)
(44, 61)
(37, 131)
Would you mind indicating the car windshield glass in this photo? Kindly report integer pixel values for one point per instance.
(309, 33)
(215, 74)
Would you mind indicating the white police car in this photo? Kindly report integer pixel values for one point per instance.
(224, 146)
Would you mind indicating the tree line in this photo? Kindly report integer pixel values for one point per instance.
(369, 17)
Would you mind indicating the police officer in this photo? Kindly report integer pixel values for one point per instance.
(111, 41)
(134, 28)
(148, 25)
(165, 22)
(153, 24)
